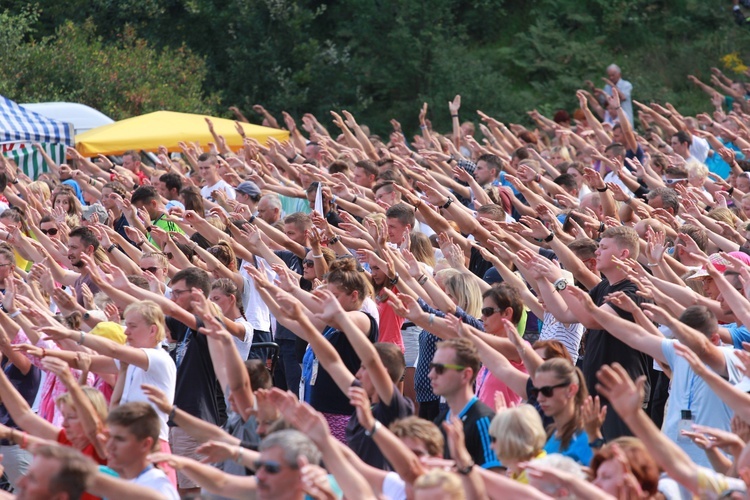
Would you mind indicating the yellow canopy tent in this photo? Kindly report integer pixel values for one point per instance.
(167, 128)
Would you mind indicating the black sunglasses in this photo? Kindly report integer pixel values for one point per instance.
(489, 311)
(270, 466)
(308, 263)
(547, 390)
(441, 367)
(152, 269)
(51, 232)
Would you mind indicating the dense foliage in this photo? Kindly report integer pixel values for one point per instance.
(379, 59)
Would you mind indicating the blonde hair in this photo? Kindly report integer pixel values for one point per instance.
(519, 433)
(694, 168)
(152, 314)
(41, 189)
(96, 398)
(464, 289)
(159, 257)
(448, 482)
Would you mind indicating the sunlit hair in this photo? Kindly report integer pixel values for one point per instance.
(423, 430)
(519, 433)
(421, 246)
(462, 288)
(448, 482)
(152, 315)
(346, 273)
(95, 397)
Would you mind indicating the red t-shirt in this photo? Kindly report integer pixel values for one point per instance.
(89, 451)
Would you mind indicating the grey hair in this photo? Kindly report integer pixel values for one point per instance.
(614, 67)
(294, 444)
(273, 199)
(561, 463)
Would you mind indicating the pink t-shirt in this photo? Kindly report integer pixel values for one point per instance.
(488, 385)
(390, 324)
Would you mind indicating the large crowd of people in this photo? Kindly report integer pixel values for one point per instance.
(556, 311)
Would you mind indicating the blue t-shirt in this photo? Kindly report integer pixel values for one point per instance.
(739, 334)
(578, 449)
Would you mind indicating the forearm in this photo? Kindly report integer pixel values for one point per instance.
(107, 486)
(201, 430)
(352, 483)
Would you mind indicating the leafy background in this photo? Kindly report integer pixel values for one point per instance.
(377, 58)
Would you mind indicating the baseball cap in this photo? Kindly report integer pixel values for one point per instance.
(249, 188)
(110, 330)
(719, 262)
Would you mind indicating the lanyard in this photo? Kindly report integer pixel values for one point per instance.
(182, 349)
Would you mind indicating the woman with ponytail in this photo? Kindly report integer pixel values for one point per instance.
(561, 392)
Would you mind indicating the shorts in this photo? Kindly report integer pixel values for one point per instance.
(183, 445)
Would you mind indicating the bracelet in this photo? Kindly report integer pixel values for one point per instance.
(602, 227)
(251, 219)
(172, 412)
(111, 247)
(419, 204)
(465, 471)
(431, 319)
(423, 127)
(538, 178)
(601, 190)
(454, 116)
(14, 314)
(652, 265)
(550, 237)
(394, 281)
(24, 441)
(447, 203)
(239, 453)
(374, 429)
(83, 337)
(44, 353)
(11, 438)
(317, 256)
(422, 279)
(334, 240)
(354, 200)
(730, 190)
(139, 245)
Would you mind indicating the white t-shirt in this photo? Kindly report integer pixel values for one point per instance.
(256, 311)
(394, 488)
(222, 185)
(244, 344)
(155, 479)
(161, 373)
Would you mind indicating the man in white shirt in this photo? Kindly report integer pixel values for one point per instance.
(208, 166)
(133, 432)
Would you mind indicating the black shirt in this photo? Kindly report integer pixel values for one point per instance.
(197, 390)
(602, 348)
(399, 407)
(476, 417)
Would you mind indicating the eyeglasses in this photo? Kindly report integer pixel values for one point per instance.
(151, 269)
(489, 311)
(308, 263)
(177, 293)
(270, 466)
(51, 232)
(547, 390)
(5, 265)
(441, 367)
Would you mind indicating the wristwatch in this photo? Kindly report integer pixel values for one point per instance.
(550, 237)
(465, 471)
(370, 433)
(447, 203)
(561, 284)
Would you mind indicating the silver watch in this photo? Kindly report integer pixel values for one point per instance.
(561, 284)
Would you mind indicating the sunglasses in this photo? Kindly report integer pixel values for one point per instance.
(270, 466)
(441, 367)
(308, 263)
(152, 269)
(546, 391)
(489, 311)
(50, 232)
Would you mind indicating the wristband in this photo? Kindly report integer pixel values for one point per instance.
(172, 412)
(83, 337)
(601, 190)
(465, 471)
(431, 319)
(111, 247)
(730, 190)
(139, 245)
(447, 203)
(602, 227)
(251, 219)
(538, 178)
(550, 237)
(394, 281)
(14, 314)
(317, 256)
(354, 200)
(422, 280)
(334, 240)
(374, 429)
(454, 116)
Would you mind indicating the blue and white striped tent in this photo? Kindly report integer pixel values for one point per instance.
(20, 128)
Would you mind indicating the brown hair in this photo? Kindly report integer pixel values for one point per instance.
(345, 273)
(642, 464)
(423, 430)
(567, 373)
(466, 354)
